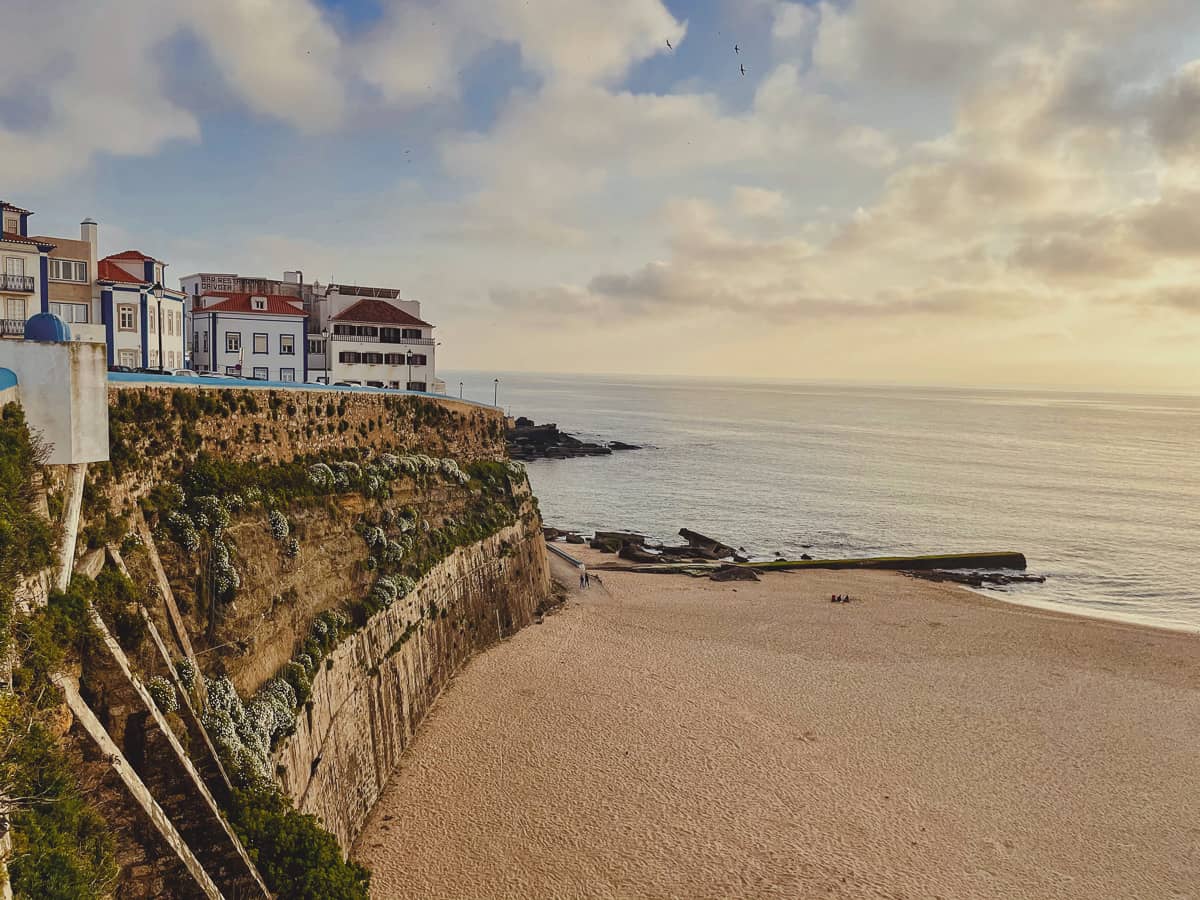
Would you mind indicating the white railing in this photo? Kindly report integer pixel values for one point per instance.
(20, 283)
(374, 339)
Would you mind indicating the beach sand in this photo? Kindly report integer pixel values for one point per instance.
(664, 736)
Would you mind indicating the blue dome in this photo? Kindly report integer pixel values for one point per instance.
(47, 327)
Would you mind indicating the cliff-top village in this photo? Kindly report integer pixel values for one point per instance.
(215, 324)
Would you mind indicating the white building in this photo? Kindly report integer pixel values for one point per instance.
(143, 320)
(24, 271)
(255, 336)
(374, 338)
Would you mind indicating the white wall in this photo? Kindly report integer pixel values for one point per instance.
(64, 392)
(247, 325)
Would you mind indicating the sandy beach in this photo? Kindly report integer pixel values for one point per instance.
(663, 736)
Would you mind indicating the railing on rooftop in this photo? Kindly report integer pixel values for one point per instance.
(19, 283)
(374, 339)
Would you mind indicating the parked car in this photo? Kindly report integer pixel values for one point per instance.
(181, 373)
(126, 369)
(148, 370)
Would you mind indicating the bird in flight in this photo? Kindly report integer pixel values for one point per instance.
(669, 47)
(737, 49)
(743, 68)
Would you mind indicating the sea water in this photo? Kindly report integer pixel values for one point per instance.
(1100, 491)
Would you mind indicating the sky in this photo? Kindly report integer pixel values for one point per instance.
(969, 192)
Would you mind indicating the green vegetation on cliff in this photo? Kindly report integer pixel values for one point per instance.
(62, 847)
(295, 856)
(26, 538)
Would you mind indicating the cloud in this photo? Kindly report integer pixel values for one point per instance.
(757, 203)
(417, 54)
(99, 81)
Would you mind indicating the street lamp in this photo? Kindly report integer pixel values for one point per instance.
(496, 395)
(157, 291)
(408, 355)
(460, 385)
(325, 352)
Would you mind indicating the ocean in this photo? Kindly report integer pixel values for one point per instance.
(1100, 491)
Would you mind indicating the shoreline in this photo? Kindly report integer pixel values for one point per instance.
(677, 737)
(1009, 597)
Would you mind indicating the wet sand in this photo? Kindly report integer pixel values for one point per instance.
(670, 737)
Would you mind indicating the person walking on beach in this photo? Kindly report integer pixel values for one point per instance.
(582, 578)
(587, 578)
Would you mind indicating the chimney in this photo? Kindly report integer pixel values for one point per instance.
(89, 231)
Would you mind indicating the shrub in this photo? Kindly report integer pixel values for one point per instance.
(183, 531)
(162, 692)
(296, 857)
(293, 548)
(186, 670)
(279, 525)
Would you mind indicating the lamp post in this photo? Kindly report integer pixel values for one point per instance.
(157, 291)
(460, 385)
(408, 355)
(325, 352)
(496, 394)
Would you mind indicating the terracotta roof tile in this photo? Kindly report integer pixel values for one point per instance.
(132, 254)
(110, 271)
(376, 311)
(276, 304)
(15, 238)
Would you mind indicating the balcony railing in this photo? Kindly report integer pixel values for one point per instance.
(373, 339)
(12, 328)
(19, 283)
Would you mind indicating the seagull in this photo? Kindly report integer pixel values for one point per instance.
(737, 49)
(743, 68)
(669, 47)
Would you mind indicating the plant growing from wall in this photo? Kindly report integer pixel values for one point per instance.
(162, 692)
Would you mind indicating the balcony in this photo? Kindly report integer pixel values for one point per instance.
(22, 284)
(372, 339)
(12, 328)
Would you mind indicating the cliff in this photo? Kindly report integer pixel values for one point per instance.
(275, 586)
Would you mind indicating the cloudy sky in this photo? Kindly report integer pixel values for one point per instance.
(983, 192)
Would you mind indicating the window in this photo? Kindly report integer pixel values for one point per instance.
(287, 374)
(316, 345)
(151, 320)
(417, 359)
(394, 359)
(68, 270)
(258, 303)
(374, 359)
(126, 317)
(12, 224)
(346, 357)
(233, 370)
(14, 265)
(205, 350)
(411, 333)
(260, 343)
(394, 384)
(233, 342)
(127, 358)
(170, 323)
(374, 384)
(70, 312)
(14, 308)
(287, 344)
(195, 343)
(260, 372)
(416, 386)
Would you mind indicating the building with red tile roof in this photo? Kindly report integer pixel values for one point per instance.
(252, 335)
